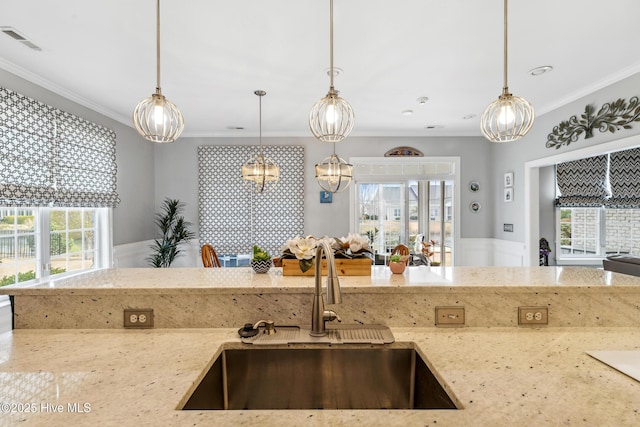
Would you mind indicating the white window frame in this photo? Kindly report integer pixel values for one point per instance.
(393, 169)
(574, 259)
(103, 256)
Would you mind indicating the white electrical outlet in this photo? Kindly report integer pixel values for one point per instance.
(533, 316)
(138, 318)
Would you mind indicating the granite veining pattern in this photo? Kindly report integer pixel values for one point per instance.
(231, 280)
(228, 297)
(501, 376)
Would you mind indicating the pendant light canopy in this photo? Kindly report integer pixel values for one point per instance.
(260, 174)
(509, 117)
(334, 174)
(331, 119)
(156, 118)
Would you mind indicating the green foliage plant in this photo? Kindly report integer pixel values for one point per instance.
(174, 231)
(395, 258)
(260, 254)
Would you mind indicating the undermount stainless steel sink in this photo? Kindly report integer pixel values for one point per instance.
(319, 377)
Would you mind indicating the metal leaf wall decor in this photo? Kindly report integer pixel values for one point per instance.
(611, 117)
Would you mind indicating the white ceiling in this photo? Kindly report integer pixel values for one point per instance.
(215, 53)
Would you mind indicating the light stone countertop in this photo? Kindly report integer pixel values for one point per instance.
(502, 376)
(230, 280)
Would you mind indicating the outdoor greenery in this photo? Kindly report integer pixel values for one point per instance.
(25, 276)
(174, 232)
(22, 219)
(565, 227)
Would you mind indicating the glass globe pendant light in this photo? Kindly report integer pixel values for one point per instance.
(156, 118)
(334, 174)
(260, 174)
(331, 119)
(509, 117)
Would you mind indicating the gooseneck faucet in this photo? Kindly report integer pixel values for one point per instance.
(318, 314)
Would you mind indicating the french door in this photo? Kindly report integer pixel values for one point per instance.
(407, 212)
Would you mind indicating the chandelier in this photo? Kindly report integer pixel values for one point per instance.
(509, 117)
(334, 174)
(156, 118)
(260, 174)
(331, 118)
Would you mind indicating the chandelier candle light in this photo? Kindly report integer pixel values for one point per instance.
(156, 118)
(509, 117)
(331, 118)
(260, 174)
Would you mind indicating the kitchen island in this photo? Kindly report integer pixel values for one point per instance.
(62, 367)
(501, 376)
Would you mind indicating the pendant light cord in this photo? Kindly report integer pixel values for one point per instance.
(506, 86)
(158, 46)
(260, 118)
(331, 41)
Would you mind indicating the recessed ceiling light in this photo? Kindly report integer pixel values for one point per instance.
(468, 116)
(407, 112)
(336, 71)
(422, 100)
(433, 127)
(235, 127)
(538, 71)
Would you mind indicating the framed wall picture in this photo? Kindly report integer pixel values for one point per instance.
(326, 197)
(508, 179)
(508, 194)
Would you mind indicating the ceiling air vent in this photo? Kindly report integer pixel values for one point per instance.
(14, 34)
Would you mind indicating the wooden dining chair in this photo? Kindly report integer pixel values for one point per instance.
(401, 250)
(209, 256)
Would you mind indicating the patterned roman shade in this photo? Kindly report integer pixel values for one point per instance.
(582, 183)
(53, 158)
(624, 179)
(231, 217)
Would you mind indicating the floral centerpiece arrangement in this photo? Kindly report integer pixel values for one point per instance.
(304, 248)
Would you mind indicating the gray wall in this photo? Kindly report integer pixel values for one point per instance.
(147, 173)
(176, 168)
(133, 218)
(513, 156)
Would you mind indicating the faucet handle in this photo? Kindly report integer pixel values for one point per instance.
(330, 315)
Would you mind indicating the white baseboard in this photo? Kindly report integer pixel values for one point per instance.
(134, 255)
(508, 254)
(131, 255)
(491, 252)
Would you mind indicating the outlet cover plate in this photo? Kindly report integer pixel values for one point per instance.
(450, 316)
(533, 316)
(138, 318)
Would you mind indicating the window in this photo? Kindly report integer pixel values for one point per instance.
(77, 241)
(579, 232)
(598, 205)
(395, 226)
(233, 218)
(17, 245)
(598, 232)
(622, 231)
(57, 185)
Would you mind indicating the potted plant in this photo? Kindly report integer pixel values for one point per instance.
(175, 233)
(397, 263)
(261, 260)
